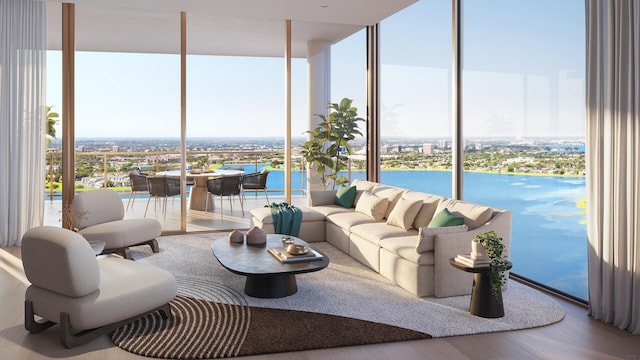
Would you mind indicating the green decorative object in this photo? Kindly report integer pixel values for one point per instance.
(329, 142)
(498, 264)
(445, 219)
(345, 196)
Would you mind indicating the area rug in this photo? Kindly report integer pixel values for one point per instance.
(348, 289)
(203, 329)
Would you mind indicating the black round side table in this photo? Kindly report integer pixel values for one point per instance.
(483, 303)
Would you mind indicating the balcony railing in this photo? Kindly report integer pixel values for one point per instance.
(112, 162)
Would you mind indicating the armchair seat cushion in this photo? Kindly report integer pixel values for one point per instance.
(123, 233)
(126, 289)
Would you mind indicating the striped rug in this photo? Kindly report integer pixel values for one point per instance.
(201, 329)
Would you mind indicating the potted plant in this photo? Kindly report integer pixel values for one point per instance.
(330, 141)
(498, 264)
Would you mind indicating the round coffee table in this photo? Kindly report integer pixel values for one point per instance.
(267, 277)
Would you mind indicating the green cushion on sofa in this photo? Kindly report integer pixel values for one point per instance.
(345, 196)
(445, 218)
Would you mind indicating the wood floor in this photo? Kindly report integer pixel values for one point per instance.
(575, 337)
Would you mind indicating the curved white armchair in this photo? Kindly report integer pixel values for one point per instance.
(87, 296)
(99, 216)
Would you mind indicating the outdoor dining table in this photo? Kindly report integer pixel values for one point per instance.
(198, 193)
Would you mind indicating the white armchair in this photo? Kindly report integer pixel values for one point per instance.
(87, 296)
(99, 216)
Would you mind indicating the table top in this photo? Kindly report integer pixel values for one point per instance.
(251, 260)
(473, 269)
(176, 173)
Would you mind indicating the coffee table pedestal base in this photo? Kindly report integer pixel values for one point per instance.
(269, 287)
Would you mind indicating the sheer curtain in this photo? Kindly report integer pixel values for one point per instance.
(22, 117)
(613, 161)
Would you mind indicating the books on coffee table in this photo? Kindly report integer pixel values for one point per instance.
(283, 256)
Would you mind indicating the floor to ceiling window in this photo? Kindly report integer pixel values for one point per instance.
(348, 80)
(415, 96)
(524, 130)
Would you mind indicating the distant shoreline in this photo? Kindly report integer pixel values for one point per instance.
(470, 171)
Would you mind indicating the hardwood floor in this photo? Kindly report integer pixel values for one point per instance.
(577, 336)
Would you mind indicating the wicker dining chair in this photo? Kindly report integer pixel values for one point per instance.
(229, 186)
(162, 187)
(138, 182)
(256, 182)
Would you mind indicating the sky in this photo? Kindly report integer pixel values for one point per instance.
(523, 77)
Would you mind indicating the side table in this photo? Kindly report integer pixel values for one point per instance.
(483, 303)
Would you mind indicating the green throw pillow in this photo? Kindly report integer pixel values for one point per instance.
(444, 219)
(345, 196)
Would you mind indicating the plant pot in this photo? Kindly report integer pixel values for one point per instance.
(477, 252)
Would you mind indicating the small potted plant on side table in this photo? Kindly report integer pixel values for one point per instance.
(498, 264)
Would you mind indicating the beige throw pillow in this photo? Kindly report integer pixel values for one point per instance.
(373, 206)
(404, 213)
(426, 236)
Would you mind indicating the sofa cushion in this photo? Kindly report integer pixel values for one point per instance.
(327, 210)
(345, 220)
(429, 205)
(372, 205)
(345, 196)
(474, 215)
(390, 193)
(426, 236)
(405, 247)
(364, 185)
(444, 218)
(322, 197)
(361, 187)
(404, 213)
(376, 231)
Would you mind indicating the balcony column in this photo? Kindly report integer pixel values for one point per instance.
(319, 73)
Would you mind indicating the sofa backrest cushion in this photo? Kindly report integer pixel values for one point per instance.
(362, 186)
(391, 193)
(372, 205)
(474, 215)
(404, 213)
(429, 205)
(426, 236)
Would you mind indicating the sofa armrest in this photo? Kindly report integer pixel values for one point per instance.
(322, 197)
(450, 281)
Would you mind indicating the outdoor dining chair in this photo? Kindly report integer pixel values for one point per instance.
(162, 187)
(229, 186)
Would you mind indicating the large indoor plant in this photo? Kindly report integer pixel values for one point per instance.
(329, 142)
(498, 264)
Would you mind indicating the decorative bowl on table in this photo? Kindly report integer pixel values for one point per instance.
(296, 249)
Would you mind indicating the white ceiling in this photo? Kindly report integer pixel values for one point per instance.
(214, 27)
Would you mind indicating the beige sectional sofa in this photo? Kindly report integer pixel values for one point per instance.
(386, 229)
